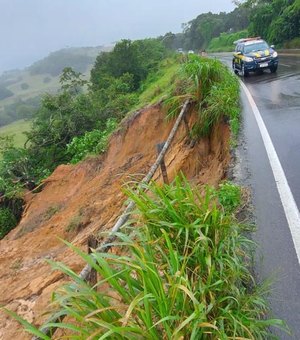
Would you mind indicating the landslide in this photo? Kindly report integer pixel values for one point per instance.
(84, 199)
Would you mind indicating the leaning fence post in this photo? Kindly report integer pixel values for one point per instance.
(186, 124)
(92, 244)
(163, 168)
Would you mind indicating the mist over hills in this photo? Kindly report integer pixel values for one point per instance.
(20, 90)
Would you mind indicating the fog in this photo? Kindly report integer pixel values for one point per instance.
(30, 29)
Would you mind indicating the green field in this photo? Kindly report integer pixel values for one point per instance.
(16, 129)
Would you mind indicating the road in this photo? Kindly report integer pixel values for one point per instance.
(277, 97)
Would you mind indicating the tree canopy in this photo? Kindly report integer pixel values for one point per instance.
(136, 58)
(277, 21)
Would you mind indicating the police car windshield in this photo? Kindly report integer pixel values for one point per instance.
(261, 46)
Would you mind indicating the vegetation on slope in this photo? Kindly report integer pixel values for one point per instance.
(275, 21)
(198, 32)
(183, 273)
(73, 124)
(224, 43)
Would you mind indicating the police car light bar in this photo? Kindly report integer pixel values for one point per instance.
(245, 39)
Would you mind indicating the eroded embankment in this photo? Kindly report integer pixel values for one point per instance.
(80, 200)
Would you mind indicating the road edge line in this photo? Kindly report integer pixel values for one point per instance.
(287, 199)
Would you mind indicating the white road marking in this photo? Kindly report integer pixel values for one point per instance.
(285, 65)
(286, 196)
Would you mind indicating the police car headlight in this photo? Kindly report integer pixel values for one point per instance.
(275, 54)
(248, 59)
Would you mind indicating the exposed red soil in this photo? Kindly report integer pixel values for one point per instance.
(79, 200)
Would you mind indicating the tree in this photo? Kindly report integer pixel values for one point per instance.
(136, 58)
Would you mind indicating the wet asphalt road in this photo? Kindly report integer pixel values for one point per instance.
(277, 97)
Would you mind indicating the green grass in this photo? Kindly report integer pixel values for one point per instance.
(17, 129)
(183, 275)
(224, 43)
(213, 90)
(158, 86)
(294, 43)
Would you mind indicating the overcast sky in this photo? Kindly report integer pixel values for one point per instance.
(30, 29)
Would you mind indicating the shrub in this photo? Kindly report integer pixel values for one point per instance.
(93, 142)
(7, 221)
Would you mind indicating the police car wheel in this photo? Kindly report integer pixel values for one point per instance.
(234, 69)
(273, 69)
(244, 73)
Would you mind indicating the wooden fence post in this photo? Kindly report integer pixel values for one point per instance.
(162, 164)
(186, 124)
(92, 244)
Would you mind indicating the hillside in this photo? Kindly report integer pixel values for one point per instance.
(16, 129)
(80, 200)
(20, 90)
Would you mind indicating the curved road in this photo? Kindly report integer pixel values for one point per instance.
(277, 97)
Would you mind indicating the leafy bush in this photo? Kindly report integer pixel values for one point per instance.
(287, 25)
(93, 142)
(7, 221)
(277, 21)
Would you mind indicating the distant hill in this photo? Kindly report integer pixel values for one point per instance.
(20, 90)
(77, 58)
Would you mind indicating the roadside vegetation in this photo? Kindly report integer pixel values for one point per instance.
(182, 272)
(75, 123)
(275, 21)
(224, 43)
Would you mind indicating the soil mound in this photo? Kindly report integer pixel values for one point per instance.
(80, 200)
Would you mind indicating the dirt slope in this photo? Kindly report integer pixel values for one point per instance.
(80, 200)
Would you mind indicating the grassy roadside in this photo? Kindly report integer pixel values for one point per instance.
(184, 273)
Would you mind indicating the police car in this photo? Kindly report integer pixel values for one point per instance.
(253, 55)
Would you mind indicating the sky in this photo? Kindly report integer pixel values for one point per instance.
(31, 29)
